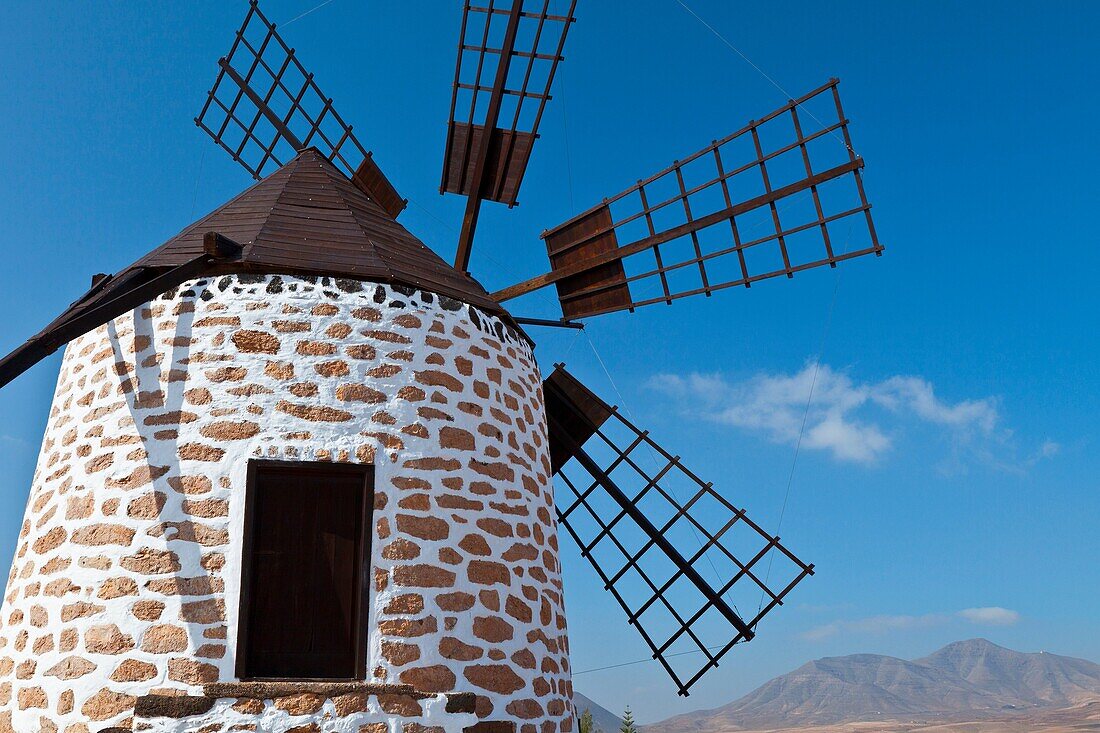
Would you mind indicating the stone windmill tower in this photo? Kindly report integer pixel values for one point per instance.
(297, 474)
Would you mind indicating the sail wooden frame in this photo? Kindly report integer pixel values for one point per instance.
(265, 108)
(652, 549)
(685, 230)
(517, 68)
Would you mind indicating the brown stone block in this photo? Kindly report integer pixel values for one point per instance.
(423, 576)
(425, 528)
(60, 588)
(485, 572)
(518, 609)
(451, 648)
(494, 470)
(226, 374)
(364, 352)
(408, 628)
(164, 638)
(255, 342)
(203, 612)
(117, 588)
(32, 697)
(401, 549)
(279, 370)
(433, 464)
(384, 372)
(447, 501)
(436, 678)
(248, 706)
(148, 561)
(174, 417)
(409, 603)
(332, 369)
(498, 678)
(229, 430)
(147, 506)
(456, 438)
(520, 551)
(338, 330)
(411, 394)
(71, 668)
(97, 535)
(399, 654)
(457, 601)
(493, 629)
(402, 705)
(525, 709)
(190, 484)
(217, 321)
(191, 672)
(303, 703)
(107, 639)
(198, 533)
(436, 378)
(49, 541)
(495, 527)
(416, 502)
(387, 336)
(304, 389)
(80, 609)
(292, 326)
(525, 659)
(313, 413)
(359, 393)
(351, 703)
(200, 452)
(79, 507)
(315, 348)
(55, 565)
(197, 396)
(131, 670)
(206, 508)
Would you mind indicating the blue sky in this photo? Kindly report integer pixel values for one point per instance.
(949, 462)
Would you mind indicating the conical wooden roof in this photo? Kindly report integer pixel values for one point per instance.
(308, 218)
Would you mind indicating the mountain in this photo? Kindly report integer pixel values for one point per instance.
(604, 720)
(973, 678)
(1037, 679)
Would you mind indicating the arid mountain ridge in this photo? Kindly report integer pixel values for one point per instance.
(963, 685)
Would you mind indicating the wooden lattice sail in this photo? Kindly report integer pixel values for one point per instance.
(264, 108)
(734, 213)
(673, 561)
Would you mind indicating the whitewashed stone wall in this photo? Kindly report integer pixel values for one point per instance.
(125, 581)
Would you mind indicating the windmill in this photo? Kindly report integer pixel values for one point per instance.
(300, 469)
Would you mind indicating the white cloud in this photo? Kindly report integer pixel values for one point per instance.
(988, 616)
(875, 625)
(853, 421)
(991, 615)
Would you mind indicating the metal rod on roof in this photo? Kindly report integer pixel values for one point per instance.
(562, 323)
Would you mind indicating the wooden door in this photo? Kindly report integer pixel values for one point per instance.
(306, 555)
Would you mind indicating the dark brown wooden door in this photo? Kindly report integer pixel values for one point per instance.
(302, 606)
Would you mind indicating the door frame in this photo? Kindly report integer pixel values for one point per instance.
(362, 599)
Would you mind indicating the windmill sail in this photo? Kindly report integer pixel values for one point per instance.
(781, 195)
(505, 68)
(692, 572)
(265, 107)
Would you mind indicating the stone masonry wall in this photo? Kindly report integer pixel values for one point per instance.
(125, 581)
